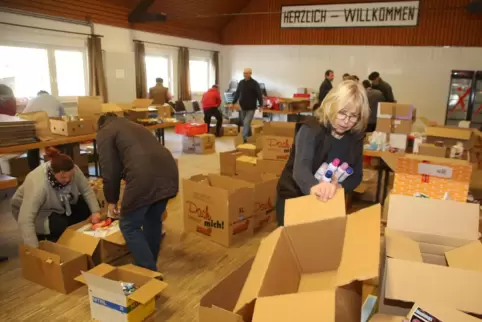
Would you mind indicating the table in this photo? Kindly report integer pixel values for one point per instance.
(285, 112)
(59, 140)
(388, 162)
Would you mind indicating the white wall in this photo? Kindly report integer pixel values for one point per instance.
(418, 75)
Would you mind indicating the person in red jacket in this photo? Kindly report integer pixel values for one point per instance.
(211, 101)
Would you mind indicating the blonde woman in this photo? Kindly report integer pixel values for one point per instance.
(336, 132)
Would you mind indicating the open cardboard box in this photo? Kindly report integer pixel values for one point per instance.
(72, 128)
(311, 267)
(99, 250)
(219, 208)
(106, 296)
(246, 165)
(431, 243)
(52, 265)
(451, 135)
(227, 162)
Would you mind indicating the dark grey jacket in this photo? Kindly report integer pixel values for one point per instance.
(325, 88)
(131, 152)
(374, 97)
(386, 89)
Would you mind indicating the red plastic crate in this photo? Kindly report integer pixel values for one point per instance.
(307, 96)
(191, 129)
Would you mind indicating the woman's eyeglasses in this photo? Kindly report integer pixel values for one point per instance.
(343, 116)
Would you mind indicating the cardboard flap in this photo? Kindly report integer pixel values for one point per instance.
(435, 217)
(148, 291)
(109, 107)
(140, 270)
(103, 283)
(116, 238)
(89, 105)
(308, 209)
(142, 103)
(99, 270)
(216, 314)
(455, 287)
(79, 242)
(401, 247)
(306, 307)
(41, 254)
(259, 268)
(449, 132)
(466, 257)
(360, 259)
(279, 129)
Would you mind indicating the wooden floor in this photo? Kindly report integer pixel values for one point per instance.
(190, 264)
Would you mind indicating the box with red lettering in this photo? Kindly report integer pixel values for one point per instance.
(277, 140)
(218, 208)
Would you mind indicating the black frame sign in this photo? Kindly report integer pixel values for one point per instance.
(355, 15)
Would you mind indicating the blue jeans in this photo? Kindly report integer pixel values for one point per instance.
(246, 119)
(280, 211)
(142, 229)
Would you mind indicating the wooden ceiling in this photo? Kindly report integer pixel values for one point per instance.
(194, 19)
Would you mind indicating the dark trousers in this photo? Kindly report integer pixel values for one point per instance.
(280, 211)
(58, 223)
(142, 230)
(210, 112)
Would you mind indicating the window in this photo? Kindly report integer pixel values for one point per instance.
(157, 66)
(199, 75)
(28, 70)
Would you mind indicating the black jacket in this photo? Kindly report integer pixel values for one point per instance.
(325, 88)
(288, 188)
(249, 94)
(374, 96)
(129, 151)
(386, 90)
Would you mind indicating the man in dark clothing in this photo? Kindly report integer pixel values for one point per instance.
(381, 85)
(375, 96)
(129, 151)
(325, 86)
(249, 95)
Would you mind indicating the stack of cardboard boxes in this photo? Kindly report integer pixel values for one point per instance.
(199, 144)
(442, 140)
(396, 121)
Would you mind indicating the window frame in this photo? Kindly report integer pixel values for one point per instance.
(208, 60)
(52, 65)
(170, 81)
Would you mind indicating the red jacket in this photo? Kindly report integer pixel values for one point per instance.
(211, 99)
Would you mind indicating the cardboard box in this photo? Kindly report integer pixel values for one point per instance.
(271, 166)
(402, 126)
(199, 144)
(246, 165)
(248, 149)
(278, 139)
(164, 111)
(98, 187)
(436, 178)
(230, 130)
(14, 165)
(218, 208)
(384, 125)
(52, 265)
(404, 112)
(142, 103)
(313, 265)
(385, 110)
(432, 150)
(264, 186)
(87, 106)
(227, 161)
(98, 250)
(218, 304)
(398, 141)
(431, 243)
(108, 301)
(256, 140)
(451, 136)
(435, 312)
(72, 128)
(367, 190)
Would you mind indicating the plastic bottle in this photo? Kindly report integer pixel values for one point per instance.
(327, 177)
(348, 172)
(333, 165)
(321, 171)
(341, 170)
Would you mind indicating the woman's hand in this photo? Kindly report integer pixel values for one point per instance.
(95, 218)
(324, 191)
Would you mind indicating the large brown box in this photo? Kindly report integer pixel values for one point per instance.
(72, 128)
(52, 265)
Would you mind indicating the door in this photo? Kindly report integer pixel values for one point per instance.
(460, 94)
(476, 110)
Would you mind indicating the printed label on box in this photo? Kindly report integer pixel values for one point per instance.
(421, 316)
(435, 170)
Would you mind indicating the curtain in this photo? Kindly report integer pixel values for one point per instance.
(97, 81)
(183, 70)
(140, 62)
(216, 67)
